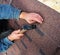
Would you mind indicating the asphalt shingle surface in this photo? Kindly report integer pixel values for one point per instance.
(41, 41)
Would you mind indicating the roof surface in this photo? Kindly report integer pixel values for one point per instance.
(45, 39)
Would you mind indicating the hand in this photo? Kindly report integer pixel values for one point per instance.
(31, 17)
(15, 35)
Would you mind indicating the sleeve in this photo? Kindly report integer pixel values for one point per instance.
(7, 11)
(5, 44)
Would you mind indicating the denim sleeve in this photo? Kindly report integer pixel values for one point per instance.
(5, 44)
(7, 11)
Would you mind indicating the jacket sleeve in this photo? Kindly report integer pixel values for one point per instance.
(5, 44)
(7, 11)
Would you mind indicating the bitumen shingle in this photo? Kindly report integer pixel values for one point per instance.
(43, 40)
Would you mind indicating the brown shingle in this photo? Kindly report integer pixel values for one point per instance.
(45, 39)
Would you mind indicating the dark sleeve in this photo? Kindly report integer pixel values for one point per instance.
(8, 11)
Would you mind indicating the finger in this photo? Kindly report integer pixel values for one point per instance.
(38, 20)
(20, 35)
(38, 16)
(18, 38)
(17, 31)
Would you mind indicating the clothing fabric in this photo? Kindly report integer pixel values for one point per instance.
(5, 44)
(7, 12)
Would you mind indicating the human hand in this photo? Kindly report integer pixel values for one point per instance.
(31, 17)
(15, 35)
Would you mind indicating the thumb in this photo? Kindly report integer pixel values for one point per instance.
(38, 20)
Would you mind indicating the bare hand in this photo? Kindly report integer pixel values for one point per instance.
(15, 35)
(31, 17)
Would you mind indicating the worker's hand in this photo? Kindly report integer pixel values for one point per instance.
(15, 35)
(31, 17)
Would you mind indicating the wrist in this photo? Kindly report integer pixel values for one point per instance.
(11, 39)
(23, 15)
